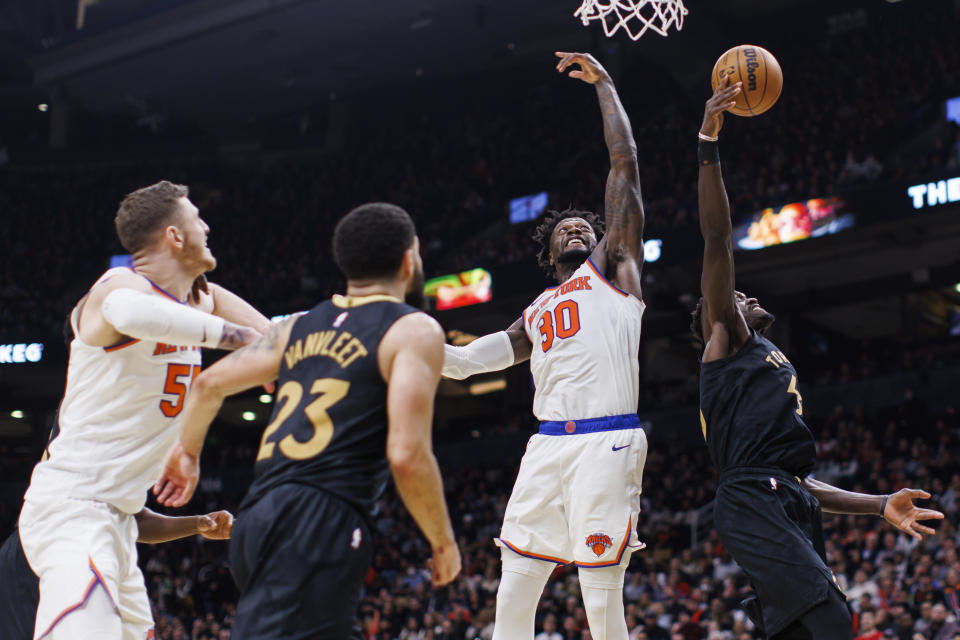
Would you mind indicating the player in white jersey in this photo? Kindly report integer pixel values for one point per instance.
(577, 495)
(137, 335)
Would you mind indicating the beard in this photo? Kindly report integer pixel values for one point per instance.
(415, 296)
(762, 321)
(574, 257)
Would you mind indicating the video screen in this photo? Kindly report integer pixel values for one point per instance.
(125, 260)
(953, 109)
(792, 222)
(459, 289)
(527, 207)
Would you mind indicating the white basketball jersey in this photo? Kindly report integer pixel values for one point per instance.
(117, 422)
(586, 340)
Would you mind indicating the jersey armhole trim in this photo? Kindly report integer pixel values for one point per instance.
(602, 277)
(121, 345)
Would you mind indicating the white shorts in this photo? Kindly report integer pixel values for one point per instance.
(76, 546)
(577, 495)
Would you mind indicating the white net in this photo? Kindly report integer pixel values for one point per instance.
(635, 17)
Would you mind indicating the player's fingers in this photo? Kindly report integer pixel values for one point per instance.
(922, 529)
(576, 74)
(165, 490)
(929, 514)
(917, 493)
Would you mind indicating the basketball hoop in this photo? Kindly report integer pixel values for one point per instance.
(635, 17)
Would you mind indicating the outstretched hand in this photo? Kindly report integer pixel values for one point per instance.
(590, 70)
(904, 515)
(181, 472)
(721, 100)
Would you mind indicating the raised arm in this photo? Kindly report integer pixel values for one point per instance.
(410, 357)
(724, 328)
(492, 352)
(249, 367)
(623, 205)
(897, 509)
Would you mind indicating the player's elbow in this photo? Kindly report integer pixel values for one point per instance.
(407, 459)
(206, 387)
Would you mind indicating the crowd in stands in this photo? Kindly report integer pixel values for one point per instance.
(839, 126)
(455, 156)
(677, 588)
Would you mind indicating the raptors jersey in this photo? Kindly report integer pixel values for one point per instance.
(117, 421)
(586, 339)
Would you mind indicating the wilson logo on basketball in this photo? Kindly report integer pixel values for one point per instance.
(599, 543)
(750, 56)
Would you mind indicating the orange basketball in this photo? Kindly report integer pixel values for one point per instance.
(760, 73)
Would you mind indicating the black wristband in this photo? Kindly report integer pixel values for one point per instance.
(708, 152)
(883, 505)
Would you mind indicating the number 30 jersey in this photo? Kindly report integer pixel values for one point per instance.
(329, 425)
(586, 342)
(117, 421)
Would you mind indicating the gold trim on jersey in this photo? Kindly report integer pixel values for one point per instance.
(703, 425)
(349, 302)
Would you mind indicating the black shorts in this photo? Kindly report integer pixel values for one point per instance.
(773, 528)
(299, 556)
(19, 591)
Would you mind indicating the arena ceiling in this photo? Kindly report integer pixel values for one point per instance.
(214, 59)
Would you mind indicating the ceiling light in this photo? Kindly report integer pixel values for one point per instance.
(249, 416)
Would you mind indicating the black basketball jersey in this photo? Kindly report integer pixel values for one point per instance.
(329, 425)
(751, 410)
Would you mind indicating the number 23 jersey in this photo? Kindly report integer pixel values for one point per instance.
(329, 426)
(586, 341)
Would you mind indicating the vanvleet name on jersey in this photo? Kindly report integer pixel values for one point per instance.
(340, 346)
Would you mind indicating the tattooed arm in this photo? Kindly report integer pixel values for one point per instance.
(251, 366)
(620, 253)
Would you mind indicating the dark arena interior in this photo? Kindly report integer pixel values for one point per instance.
(282, 116)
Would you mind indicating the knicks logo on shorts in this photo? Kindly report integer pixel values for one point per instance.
(599, 543)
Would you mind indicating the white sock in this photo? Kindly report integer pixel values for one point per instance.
(521, 585)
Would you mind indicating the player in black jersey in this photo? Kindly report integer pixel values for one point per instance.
(357, 379)
(767, 510)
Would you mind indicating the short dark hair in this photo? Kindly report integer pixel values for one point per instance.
(550, 221)
(696, 321)
(369, 242)
(145, 211)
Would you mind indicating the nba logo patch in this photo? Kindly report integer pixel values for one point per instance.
(773, 483)
(357, 537)
(340, 319)
(599, 543)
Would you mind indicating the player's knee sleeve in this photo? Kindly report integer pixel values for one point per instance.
(604, 612)
(521, 584)
(96, 619)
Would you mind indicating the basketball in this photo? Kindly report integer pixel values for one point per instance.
(760, 73)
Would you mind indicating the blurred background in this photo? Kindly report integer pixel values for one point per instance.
(281, 115)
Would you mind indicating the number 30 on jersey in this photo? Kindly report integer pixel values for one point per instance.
(562, 322)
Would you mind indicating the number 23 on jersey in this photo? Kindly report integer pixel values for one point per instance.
(329, 391)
